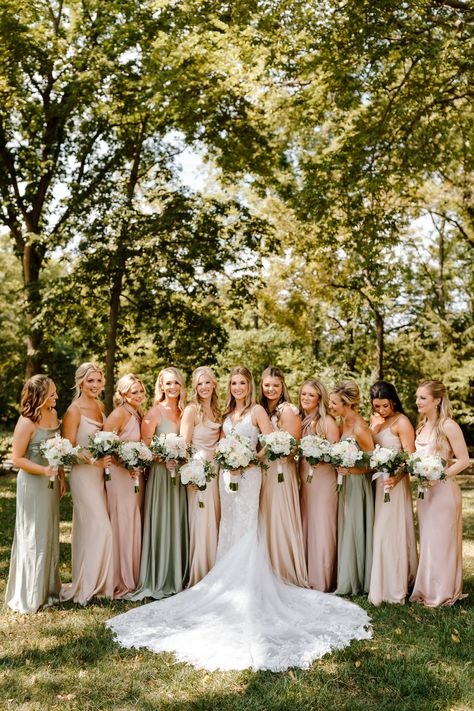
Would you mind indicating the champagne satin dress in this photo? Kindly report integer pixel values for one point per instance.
(439, 578)
(203, 522)
(92, 551)
(33, 580)
(281, 517)
(165, 541)
(319, 517)
(394, 545)
(125, 510)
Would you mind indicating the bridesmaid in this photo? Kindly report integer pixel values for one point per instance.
(124, 505)
(279, 502)
(439, 577)
(92, 553)
(356, 502)
(319, 498)
(33, 580)
(201, 426)
(164, 560)
(394, 545)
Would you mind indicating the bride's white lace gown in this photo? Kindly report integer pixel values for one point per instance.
(240, 615)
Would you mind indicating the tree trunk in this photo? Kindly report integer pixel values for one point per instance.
(380, 333)
(32, 259)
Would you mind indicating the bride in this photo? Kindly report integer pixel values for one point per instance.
(240, 615)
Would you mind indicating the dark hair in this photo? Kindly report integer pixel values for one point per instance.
(381, 390)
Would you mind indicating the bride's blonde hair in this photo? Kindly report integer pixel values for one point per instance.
(250, 400)
(438, 390)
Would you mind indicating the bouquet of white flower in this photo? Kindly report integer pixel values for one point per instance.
(234, 452)
(315, 449)
(347, 454)
(135, 456)
(103, 444)
(427, 467)
(58, 452)
(278, 444)
(386, 462)
(170, 447)
(197, 472)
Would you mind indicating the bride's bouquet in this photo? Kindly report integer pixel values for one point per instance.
(103, 444)
(278, 444)
(197, 472)
(347, 454)
(235, 452)
(135, 456)
(427, 467)
(58, 452)
(170, 447)
(315, 449)
(386, 462)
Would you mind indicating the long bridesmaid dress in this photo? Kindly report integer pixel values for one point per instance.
(439, 578)
(281, 516)
(394, 545)
(33, 581)
(125, 510)
(355, 522)
(165, 544)
(92, 551)
(203, 522)
(319, 516)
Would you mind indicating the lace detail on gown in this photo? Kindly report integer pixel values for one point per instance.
(240, 615)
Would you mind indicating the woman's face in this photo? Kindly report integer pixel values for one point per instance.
(309, 399)
(239, 387)
(336, 406)
(425, 402)
(382, 407)
(135, 395)
(272, 387)
(93, 384)
(205, 386)
(51, 398)
(170, 385)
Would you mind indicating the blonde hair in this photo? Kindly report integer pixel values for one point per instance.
(438, 390)
(273, 372)
(123, 386)
(81, 374)
(33, 396)
(197, 400)
(318, 418)
(349, 392)
(249, 400)
(159, 392)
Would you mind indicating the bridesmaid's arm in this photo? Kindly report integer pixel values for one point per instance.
(364, 439)
(331, 429)
(70, 424)
(24, 431)
(149, 424)
(457, 443)
(261, 420)
(291, 422)
(186, 427)
(406, 434)
(116, 421)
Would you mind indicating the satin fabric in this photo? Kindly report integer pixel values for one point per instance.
(92, 552)
(203, 522)
(165, 541)
(125, 511)
(33, 580)
(394, 545)
(439, 577)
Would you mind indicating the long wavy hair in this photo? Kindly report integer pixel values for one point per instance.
(382, 390)
(349, 392)
(250, 400)
(159, 392)
(318, 417)
(437, 389)
(33, 396)
(81, 374)
(123, 386)
(197, 400)
(273, 372)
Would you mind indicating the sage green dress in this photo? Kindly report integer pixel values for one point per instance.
(355, 525)
(33, 580)
(165, 542)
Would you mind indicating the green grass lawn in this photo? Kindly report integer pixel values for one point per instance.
(65, 658)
